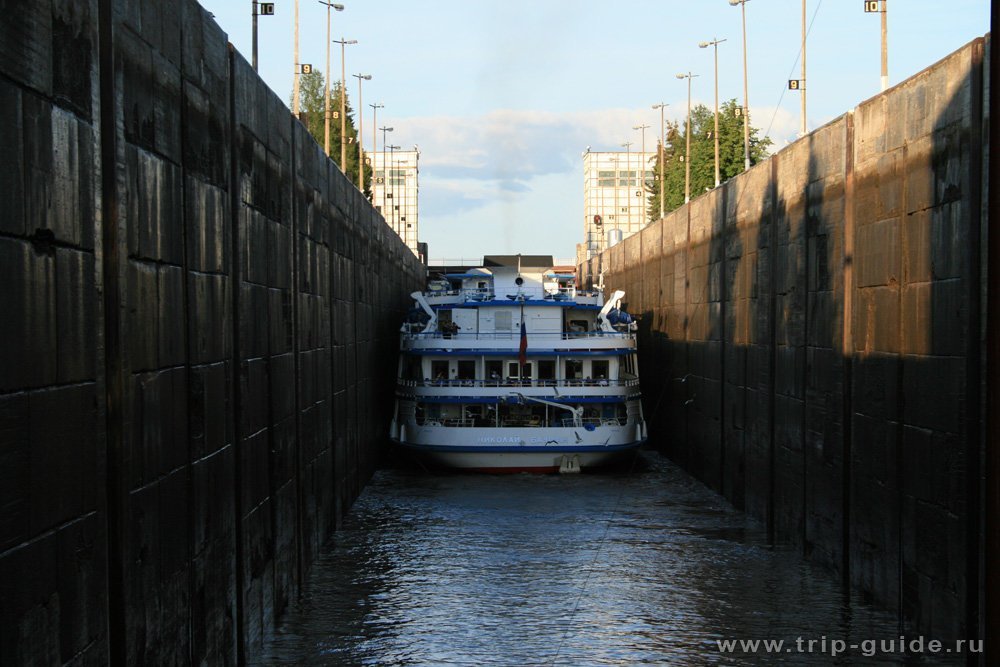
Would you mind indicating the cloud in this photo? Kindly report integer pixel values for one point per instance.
(470, 160)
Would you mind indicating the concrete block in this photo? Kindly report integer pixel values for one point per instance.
(934, 392)
(29, 352)
(141, 316)
(255, 396)
(209, 317)
(281, 376)
(12, 145)
(876, 320)
(156, 226)
(26, 45)
(280, 321)
(876, 385)
(253, 463)
(206, 219)
(15, 471)
(877, 254)
(77, 303)
(63, 455)
(209, 409)
(172, 326)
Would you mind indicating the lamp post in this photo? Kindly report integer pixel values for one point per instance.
(880, 6)
(385, 168)
(746, 95)
(259, 9)
(343, 95)
(375, 107)
(802, 86)
(687, 138)
(715, 43)
(295, 58)
(642, 169)
(663, 129)
(326, 92)
(361, 122)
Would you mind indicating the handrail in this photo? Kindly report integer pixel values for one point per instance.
(515, 335)
(514, 382)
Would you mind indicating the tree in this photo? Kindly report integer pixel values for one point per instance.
(702, 155)
(312, 109)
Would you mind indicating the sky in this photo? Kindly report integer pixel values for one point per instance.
(502, 98)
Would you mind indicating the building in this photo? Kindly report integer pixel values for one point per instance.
(615, 198)
(394, 192)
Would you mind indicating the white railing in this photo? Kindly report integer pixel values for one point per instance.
(516, 335)
(515, 382)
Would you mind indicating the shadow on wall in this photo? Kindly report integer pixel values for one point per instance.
(810, 336)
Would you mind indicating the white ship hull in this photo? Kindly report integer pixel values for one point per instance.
(521, 449)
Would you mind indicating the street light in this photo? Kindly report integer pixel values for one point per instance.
(687, 137)
(326, 93)
(385, 168)
(259, 9)
(663, 129)
(343, 95)
(642, 169)
(361, 122)
(746, 95)
(881, 6)
(715, 43)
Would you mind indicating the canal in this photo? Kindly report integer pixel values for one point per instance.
(641, 565)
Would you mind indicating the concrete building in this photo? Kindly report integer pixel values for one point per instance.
(395, 188)
(615, 198)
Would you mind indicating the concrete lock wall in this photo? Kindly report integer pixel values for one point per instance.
(819, 319)
(198, 340)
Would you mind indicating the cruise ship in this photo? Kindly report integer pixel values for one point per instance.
(509, 367)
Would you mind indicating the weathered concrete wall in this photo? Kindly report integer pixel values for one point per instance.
(199, 328)
(819, 320)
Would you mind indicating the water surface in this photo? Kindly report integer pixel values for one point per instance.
(645, 566)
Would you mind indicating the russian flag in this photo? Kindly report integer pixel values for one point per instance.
(522, 355)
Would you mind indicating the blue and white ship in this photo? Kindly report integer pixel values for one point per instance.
(509, 367)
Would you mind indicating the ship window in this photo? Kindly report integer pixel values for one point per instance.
(599, 369)
(494, 370)
(503, 321)
(513, 371)
(546, 369)
(466, 370)
(439, 370)
(578, 325)
(574, 369)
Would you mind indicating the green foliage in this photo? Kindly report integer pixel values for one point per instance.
(312, 114)
(703, 155)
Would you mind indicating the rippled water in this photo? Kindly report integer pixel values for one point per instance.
(646, 566)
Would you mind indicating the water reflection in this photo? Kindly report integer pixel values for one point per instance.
(645, 566)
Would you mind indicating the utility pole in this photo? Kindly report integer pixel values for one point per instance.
(343, 96)
(326, 95)
(661, 106)
(715, 43)
(295, 57)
